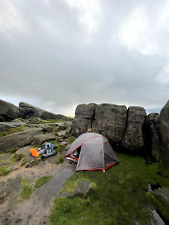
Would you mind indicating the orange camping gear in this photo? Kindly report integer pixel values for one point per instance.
(34, 152)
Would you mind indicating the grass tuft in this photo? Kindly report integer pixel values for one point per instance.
(16, 157)
(61, 159)
(12, 131)
(42, 180)
(26, 190)
(71, 139)
(4, 170)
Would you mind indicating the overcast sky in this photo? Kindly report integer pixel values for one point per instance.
(56, 54)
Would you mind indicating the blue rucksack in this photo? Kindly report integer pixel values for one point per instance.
(49, 146)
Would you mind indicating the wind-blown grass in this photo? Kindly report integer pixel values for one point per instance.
(119, 195)
(26, 190)
(42, 180)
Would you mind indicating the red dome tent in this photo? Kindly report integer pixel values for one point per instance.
(92, 151)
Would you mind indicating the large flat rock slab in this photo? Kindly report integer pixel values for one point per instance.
(18, 140)
(25, 151)
(42, 138)
(4, 126)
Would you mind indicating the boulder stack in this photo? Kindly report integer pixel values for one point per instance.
(123, 127)
(130, 130)
(8, 111)
(30, 110)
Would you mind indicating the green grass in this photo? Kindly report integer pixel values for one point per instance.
(13, 150)
(71, 138)
(60, 147)
(6, 165)
(61, 159)
(36, 160)
(26, 190)
(12, 130)
(42, 180)
(119, 195)
(36, 120)
(15, 158)
(4, 170)
(57, 120)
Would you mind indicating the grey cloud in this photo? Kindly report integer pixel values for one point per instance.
(54, 62)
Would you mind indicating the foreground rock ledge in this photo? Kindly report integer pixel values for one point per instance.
(83, 190)
(162, 194)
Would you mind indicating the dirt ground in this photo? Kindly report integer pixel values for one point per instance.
(35, 210)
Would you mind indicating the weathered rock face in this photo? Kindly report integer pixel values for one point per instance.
(121, 126)
(133, 139)
(153, 135)
(8, 111)
(164, 131)
(30, 110)
(18, 140)
(84, 116)
(110, 121)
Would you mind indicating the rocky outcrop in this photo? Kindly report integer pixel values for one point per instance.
(18, 140)
(127, 129)
(8, 111)
(110, 121)
(84, 116)
(30, 110)
(130, 130)
(164, 132)
(123, 128)
(133, 139)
